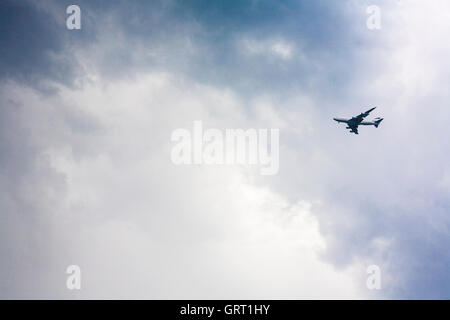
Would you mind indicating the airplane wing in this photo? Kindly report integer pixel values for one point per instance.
(361, 116)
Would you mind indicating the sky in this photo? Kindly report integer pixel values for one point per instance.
(86, 176)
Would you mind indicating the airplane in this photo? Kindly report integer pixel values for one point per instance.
(354, 122)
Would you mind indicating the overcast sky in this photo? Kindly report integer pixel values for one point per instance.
(86, 177)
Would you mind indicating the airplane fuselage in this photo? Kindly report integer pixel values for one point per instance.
(353, 122)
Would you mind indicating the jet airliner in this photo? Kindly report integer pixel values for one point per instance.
(354, 122)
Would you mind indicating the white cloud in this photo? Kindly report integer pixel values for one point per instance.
(141, 227)
(268, 47)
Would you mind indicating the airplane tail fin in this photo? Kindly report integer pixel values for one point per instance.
(377, 122)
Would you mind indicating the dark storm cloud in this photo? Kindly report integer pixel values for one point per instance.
(25, 39)
(318, 30)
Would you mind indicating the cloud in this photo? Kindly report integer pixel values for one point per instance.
(140, 226)
(381, 195)
(277, 48)
(87, 177)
